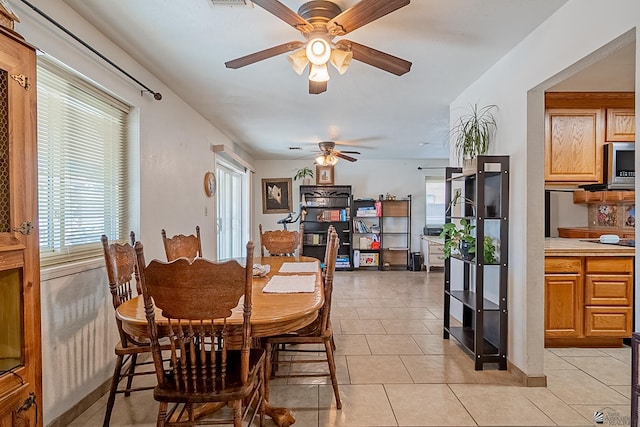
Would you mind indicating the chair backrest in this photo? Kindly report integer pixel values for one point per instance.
(331, 254)
(121, 265)
(197, 298)
(181, 246)
(279, 242)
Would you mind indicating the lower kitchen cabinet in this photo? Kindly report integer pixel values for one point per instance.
(588, 300)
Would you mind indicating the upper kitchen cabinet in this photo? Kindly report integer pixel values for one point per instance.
(621, 125)
(577, 125)
(573, 145)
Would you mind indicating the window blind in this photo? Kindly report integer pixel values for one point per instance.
(82, 166)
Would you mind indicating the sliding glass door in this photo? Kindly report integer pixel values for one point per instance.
(232, 210)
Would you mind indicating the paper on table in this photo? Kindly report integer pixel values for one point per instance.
(290, 284)
(299, 267)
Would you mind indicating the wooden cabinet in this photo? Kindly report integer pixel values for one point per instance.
(588, 300)
(573, 145)
(621, 124)
(20, 354)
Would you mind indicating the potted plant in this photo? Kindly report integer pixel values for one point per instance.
(473, 132)
(305, 174)
(460, 241)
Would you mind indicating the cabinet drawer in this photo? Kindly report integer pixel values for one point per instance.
(435, 249)
(562, 265)
(616, 265)
(607, 322)
(608, 289)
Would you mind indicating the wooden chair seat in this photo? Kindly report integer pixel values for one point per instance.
(279, 242)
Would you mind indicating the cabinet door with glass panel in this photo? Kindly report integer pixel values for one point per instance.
(20, 359)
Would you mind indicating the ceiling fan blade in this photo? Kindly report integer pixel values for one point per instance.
(287, 15)
(344, 156)
(316, 88)
(362, 13)
(350, 152)
(263, 54)
(376, 58)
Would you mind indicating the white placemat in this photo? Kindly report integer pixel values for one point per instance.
(290, 284)
(299, 267)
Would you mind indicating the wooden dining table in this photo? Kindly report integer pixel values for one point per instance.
(271, 314)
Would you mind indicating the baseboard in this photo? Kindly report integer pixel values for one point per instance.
(524, 379)
(74, 412)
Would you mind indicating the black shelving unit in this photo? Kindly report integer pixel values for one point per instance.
(395, 234)
(326, 205)
(366, 223)
(476, 289)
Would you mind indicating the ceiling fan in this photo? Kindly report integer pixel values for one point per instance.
(329, 155)
(320, 21)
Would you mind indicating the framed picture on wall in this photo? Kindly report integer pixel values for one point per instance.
(324, 175)
(276, 195)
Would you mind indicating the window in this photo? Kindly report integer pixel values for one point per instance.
(435, 201)
(83, 185)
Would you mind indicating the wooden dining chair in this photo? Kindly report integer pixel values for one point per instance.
(318, 332)
(211, 359)
(181, 246)
(121, 265)
(279, 242)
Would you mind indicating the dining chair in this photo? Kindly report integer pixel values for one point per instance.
(181, 246)
(211, 359)
(121, 266)
(279, 242)
(318, 332)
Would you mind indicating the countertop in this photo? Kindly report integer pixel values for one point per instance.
(556, 246)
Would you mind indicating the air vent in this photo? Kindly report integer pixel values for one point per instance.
(230, 2)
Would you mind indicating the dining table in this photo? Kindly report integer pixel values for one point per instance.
(275, 310)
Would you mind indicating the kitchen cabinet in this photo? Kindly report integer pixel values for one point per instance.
(588, 299)
(621, 125)
(573, 145)
(593, 233)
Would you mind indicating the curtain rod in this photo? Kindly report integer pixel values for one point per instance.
(156, 95)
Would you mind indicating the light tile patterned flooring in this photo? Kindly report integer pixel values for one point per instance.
(395, 369)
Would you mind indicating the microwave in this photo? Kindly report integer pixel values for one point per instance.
(619, 171)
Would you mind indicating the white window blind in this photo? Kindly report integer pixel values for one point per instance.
(82, 166)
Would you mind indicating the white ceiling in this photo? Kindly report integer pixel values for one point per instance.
(265, 107)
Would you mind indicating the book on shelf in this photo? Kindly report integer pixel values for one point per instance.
(368, 259)
(342, 261)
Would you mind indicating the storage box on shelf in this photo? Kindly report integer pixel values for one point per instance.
(366, 233)
(326, 205)
(475, 288)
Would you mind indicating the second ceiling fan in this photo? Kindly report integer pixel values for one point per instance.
(320, 21)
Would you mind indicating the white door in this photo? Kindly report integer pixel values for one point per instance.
(232, 211)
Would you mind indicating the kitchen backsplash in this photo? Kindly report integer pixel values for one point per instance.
(614, 215)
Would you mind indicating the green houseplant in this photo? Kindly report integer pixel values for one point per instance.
(305, 174)
(473, 132)
(460, 241)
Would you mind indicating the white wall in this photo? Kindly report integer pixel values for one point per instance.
(516, 84)
(368, 179)
(78, 331)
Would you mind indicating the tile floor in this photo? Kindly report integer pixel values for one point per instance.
(395, 369)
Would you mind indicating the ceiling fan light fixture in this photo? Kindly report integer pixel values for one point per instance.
(319, 73)
(298, 61)
(318, 51)
(326, 160)
(341, 59)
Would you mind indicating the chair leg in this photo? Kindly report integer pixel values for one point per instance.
(237, 413)
(112, 392)
(132, 368)
(162, 414)
(263, 391)
(332, 370)
(267, 370)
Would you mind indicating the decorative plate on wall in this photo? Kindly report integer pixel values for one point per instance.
(210, 184)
